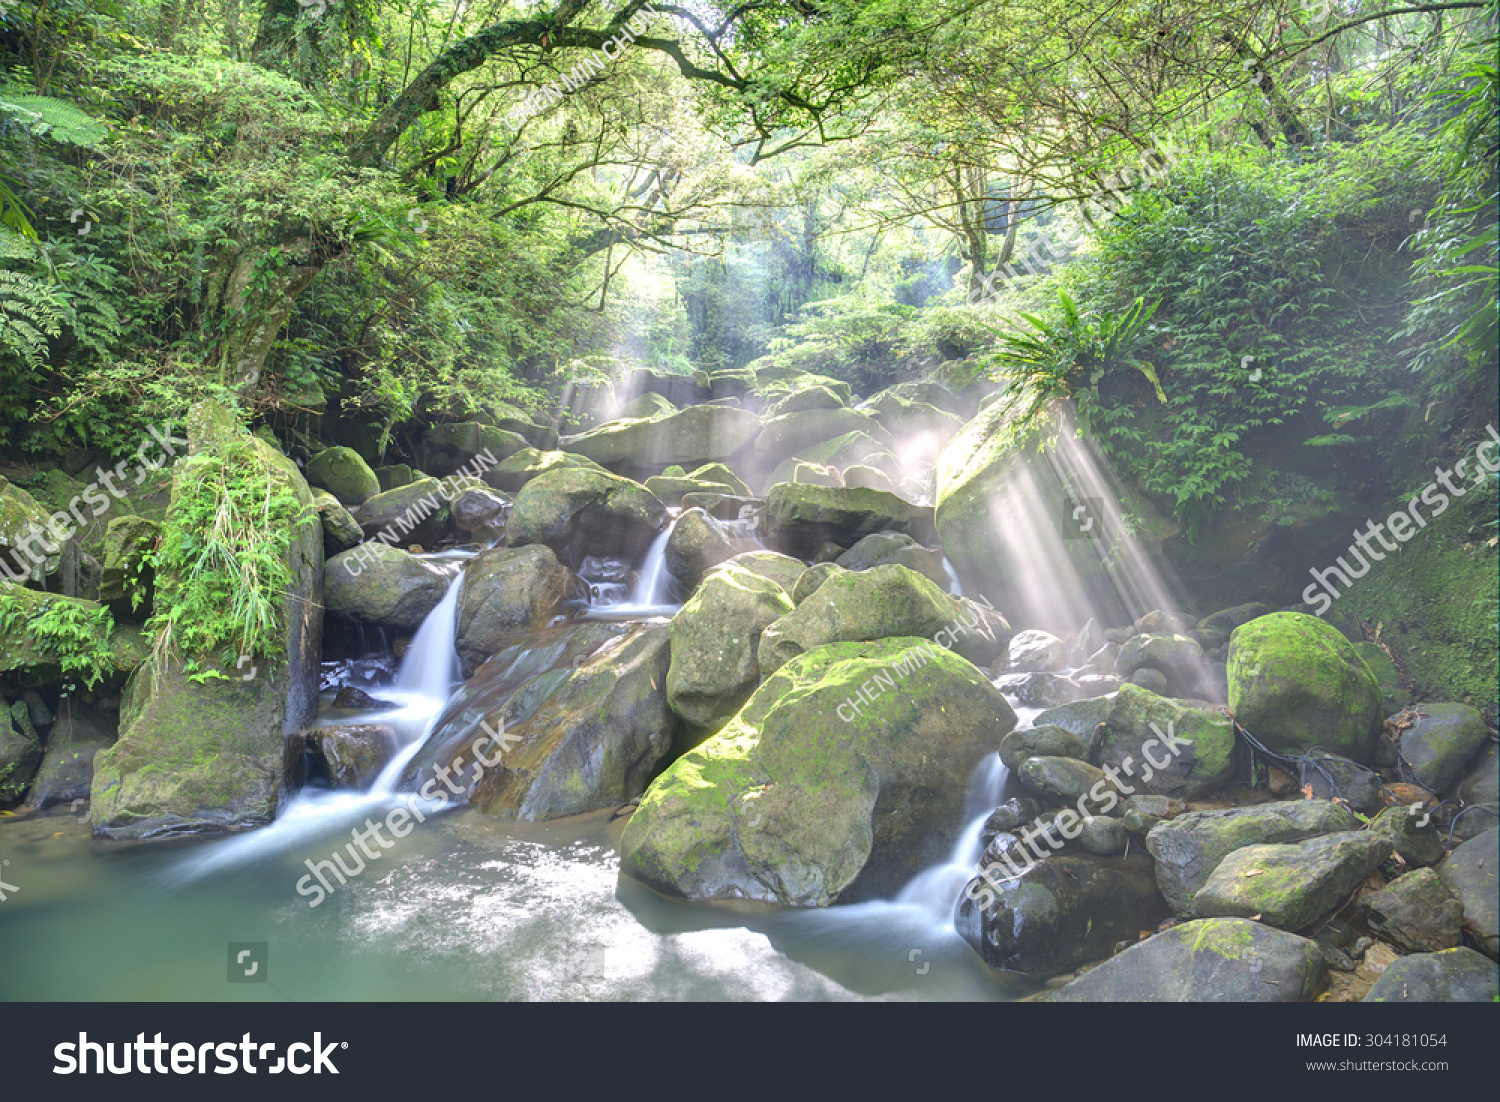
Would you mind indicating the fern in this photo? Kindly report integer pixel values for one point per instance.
(29, 314)
(48, 117)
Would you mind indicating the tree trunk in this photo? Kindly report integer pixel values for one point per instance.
(259, 292)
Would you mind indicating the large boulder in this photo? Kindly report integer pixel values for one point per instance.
(1190, 847)
(126, 576)
(448, 447)
(1440, 744)
(344, 474)
(791, 803)
(714, 638)
(672, 488)
(791, 433)
(351, 756)
(86, 638)
(507, 591)
(697, 544)
(814, 397)
(1178, 657)
(841, 453)
(699, 434)
(569, 719)
(771, 565)
(679, 390)
(412, 514)
(513, 472)
(481, 514)
(879, 548)
(1450, 976)
(376, 584)
(20, 752)
(22, 521)
(340, 530)
(879, 603)
(1193, 751)
(1208, 961)
(1416, 912)
(800, 518)
(649, 404)
(1292, 886)
(580, 512)
(67, 769)
(1058, 913)
(1296, 683)
(922, 428)
(208, 755)
(1470, 873)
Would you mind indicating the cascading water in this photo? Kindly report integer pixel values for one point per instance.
(955, 587)
(651, 589)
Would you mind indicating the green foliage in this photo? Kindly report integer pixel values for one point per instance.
(75, 636)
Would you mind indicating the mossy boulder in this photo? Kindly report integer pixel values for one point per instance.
(448, 447)
(1193, 751)
(1058, 913)
(771, 565)
(698, 543)
(1207, 961)
(1412, 833)
(672, 490)
(1472, 872)
(343, 474)
(20, 752)
(376, 584)
(579, 512)
(1081, 717)
(720, 473)
(720, 506)
(1451, 976)
(35, 659)
(507, 591)
(125, 576)
(792, 433)
(513, 472)
(1178, 657)
(813, 474)
(800, 518)
(395, 475)
(649, 404)
(67, 768)
(20, 517)
(1188, 848)
(840, 453)
(480, 514)
(680, 389)
(879, 548)
(1290, 886)
(922, 426)
(340, 530)
(691, 437)
(352, 756)
(714, 639)
(1295, 683)
(414, 513)
(1063, 780)
(1442, 742)
(849, 607)
(579, 719)
(792, 804)
(811, 578)
(1394, 695)
(1043, 741)
(1416, 912)
(814, 397)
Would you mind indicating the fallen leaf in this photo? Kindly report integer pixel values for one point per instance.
(1252, 872)
(1307, 792)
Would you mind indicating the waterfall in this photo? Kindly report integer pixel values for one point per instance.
(431, 664)
(955, 587)
(651, 588)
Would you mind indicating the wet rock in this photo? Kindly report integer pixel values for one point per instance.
(1166, 747)
(1419, 843)
(1176, 657)
(721, 506)
(793, 432)
(1080, 717)
(506, 591)
(842, 452)
(1450, 976)
(800, 518)
(1058, 913)
(512, 473)
(67, 768)
(791, 803)
(344, 474)
(481, 513)
(1188, 848)
(1210, 960)
(1478, 790)
(457, 444)
(1103, 835)
(1047, 740)
(1105, 657)
(1290, 886)
(353, 755)
(1144, 812)
(714, 638)
(407, 515)
(879, 548)
(128, 541)
(781, 569)
(1157, 622)
(811, 578)
(1442, 742)
(20, 752)
(1359, 786)
(1009, 815)
(1038, 690)
(341, 531)
(1095, 685)
(1470, 872)
(1416, 912)
(1063, 779)
(376, 584)
(1296, 684)
(356, 699)
(1033, 650)
(1152, 680)
(698, 542)
(579, 512)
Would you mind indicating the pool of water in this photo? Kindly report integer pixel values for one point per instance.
(464, 908)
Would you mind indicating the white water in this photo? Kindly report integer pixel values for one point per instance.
(651, 588)
(955, 587)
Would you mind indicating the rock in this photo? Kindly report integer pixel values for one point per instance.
(21, 517)
(861, 476)
(1418, 845)
(1225, 621)
(562, 739)
(983, 634)
(714, 638)
(1394, 695)
(924, 427)
(1157, 622)
(38, 660)
(1058, 913)
(195, 757)
(453, 445)
(1044, 741)
(1478, 790)
(1080, 717)
(343, 474)
(67, 768)
(672, 489)
(771, 565)
(1105, 657)
(1349, 781)
(811, 578)
(679, 389)
(580, 512)
(1470, 873)
(691, 437)
(719, 473)
(503, 415)
(126, 576)
(406, 515)
(341, 531)
(814, 397)
(698, 542)
(1095, 684)
(376, 584)
(880, 548)
(1193, 751)
(395, 475)
(790, 433)
(357, 700)
(20, 752)
(878, 603)
(352, 756)
(1009, 815)
(1066, 780)
(800, 517)
(1416, 912)
(1190, 847)
(1038, 690)
(1295, 683)
(1442, 742)
(481, 513)
(512, 473)
(1103, 836)
(649, 404)
(1290, 886)
(1449, 976)
(731, 383)
(507, 591)
(1144, 812)
(721, 506)
(790, 803)
(1035, 650)
(842, 452)
(1151, 680)
(1210, 960)
(1176, 656)
(815, 474)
